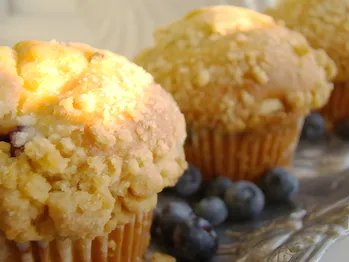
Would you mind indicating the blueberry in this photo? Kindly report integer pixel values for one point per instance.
(213, 209)
(279, 185)
(189, 184)
(155, 226)
(218, 186)
(314, 127)
(171, 215)
(244, 200)
(195, 240)
(342, 129)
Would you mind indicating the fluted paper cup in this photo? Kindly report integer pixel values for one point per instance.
(127, 243)
(243, 156)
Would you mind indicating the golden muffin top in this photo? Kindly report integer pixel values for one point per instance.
(87, 140)
(235, 69)
(325, 23)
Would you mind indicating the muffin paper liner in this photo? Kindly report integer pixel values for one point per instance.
(337, 107)
(242, 156)
(126, 243)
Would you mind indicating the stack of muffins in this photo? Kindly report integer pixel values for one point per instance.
(325, 24)
(244, 84)
(88, 139)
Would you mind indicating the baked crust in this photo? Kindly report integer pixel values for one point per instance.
(92, 140)
(235, 69)
(325, 24)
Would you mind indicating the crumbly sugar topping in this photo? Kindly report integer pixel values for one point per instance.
(87, 140)
(209, 23)
(235, 69)
(325, 23)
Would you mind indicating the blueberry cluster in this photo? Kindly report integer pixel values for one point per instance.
(183, 234)
(188, 233)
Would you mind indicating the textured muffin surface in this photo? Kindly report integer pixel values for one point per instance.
(233, 68)
(325, 23)
(88, 139)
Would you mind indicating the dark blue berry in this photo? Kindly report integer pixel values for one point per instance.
(213, 209)
(218, 186)
(279, 185)
(195, 240)
(244, 200)
(314, 127)
(189, 184)
(171, 215)
(342, 129)
(155, 226)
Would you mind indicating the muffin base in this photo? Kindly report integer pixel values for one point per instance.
(337, 107)
(127, 243)
(243, 156)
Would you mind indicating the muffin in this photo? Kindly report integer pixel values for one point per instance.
(325, 24)
(244, 84)
(88, 139)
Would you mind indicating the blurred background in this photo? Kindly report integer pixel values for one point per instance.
(123, 26)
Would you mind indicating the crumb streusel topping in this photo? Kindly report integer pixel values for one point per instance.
(236, 69)
(87, 140)
(325, 23)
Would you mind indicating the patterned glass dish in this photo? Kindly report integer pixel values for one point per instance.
(306, 231)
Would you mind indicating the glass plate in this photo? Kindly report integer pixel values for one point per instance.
(301, 232)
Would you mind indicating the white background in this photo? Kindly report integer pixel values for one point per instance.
(123, 26)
